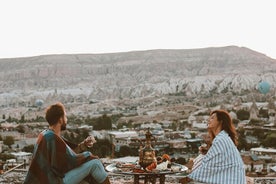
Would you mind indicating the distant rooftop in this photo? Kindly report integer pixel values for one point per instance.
(266, 150)
(119, 134)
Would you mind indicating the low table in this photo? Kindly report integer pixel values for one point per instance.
(145, 175)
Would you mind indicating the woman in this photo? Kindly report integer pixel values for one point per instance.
(222, 163)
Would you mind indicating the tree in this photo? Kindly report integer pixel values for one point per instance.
(20, 129)
(9, 140)
(9, 119)
(85, 133)
(29, 148)
(103, 123)
(124, 151)
(259, 133)
(263, 113)
(173, 125)
(270, 140)
(241, 139)
(22, 119)
(81, 135)
(107, 122)
(243, 114)
(6, 156)
(102, 148)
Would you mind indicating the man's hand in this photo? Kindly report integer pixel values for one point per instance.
(89, 141)
(94, 156)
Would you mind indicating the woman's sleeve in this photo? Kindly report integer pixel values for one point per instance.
(208, 166)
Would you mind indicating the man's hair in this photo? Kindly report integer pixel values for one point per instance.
(54, 113)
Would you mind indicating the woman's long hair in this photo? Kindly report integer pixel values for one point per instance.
(227, 124)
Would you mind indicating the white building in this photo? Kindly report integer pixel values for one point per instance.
(114, 135)
(22, 156)
(264, 152)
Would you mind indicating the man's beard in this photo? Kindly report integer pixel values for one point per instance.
(63, 126)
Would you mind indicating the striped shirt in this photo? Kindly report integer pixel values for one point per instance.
(197, 161)
(222, 164)
(52, 158)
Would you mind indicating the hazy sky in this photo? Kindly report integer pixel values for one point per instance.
(36, 27)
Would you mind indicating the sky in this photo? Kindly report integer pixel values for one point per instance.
(42, 27)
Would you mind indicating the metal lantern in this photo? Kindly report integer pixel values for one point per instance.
(147, 153)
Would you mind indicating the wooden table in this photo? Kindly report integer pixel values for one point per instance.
(149, 177)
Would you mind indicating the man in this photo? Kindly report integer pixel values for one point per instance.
(55, 162)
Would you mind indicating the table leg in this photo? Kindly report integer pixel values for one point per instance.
(162, 179)
(149, 179)
(153, 180)
(136, 179)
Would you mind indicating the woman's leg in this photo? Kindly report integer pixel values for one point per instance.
(93, 167)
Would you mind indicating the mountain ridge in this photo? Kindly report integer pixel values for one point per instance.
(136, 74)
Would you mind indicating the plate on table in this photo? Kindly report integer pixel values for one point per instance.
(120, 167)
(130, 167)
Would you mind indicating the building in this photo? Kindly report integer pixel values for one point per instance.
(22, 156)
(261, 152)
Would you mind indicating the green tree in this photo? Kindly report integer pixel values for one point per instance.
(20, 128)
(243, 114)
(173, 125)
(103, 123)
(241, 139)
(9, 140)
(107, 122)
(115, 118)
(263, 113)
(85, 133)
(270, 140)
(124, 151)
(29, 148)
(104, 151)
(22, 119)
(9, 119)
(40, 119)
(259, 133)
(6, 156)
(81, 135)
(193, 135)
(130, 123)
(102, 148)
(255, 122)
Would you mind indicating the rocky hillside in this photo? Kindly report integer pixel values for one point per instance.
(135, 74)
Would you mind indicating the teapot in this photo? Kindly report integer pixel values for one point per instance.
(147, 153)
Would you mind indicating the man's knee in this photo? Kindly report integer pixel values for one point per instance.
(97, 170)
(96, 162)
